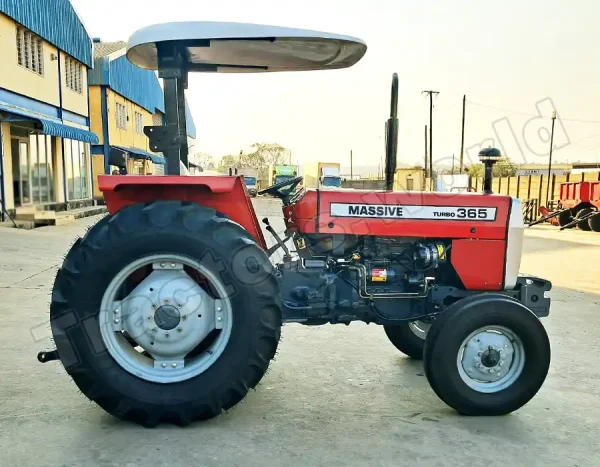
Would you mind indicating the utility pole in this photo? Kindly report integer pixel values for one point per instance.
(462, 137)
(550, 161)
(426, 172)
(431, 93)
(351, 174)
(452, 164)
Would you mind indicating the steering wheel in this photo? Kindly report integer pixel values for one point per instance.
(279, 191)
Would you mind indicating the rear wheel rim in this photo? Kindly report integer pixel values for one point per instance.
(491, 359)
(152, 331)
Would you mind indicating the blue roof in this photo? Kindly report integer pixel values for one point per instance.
(137, 85)
(134, 83)
(54, 20)
(51, 127)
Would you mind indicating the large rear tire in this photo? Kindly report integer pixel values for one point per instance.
(409, 337)
(238, 274)
(486, 355)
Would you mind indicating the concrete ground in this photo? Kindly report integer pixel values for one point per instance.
(335, 396)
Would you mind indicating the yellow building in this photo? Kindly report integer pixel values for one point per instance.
(44, 115)
(123, 100)
(409, 180)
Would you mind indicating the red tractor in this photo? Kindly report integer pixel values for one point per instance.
(169, 309)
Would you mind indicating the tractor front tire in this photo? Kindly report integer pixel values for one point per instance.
(584, 225)
(184, 230)
(408, 338)
(486, 355)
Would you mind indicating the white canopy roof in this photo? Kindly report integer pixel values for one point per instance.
(243, 48)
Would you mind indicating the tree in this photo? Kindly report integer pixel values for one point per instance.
(262, 156)
(265, 155)
(204, 160)
(228, 162)
(503, 168)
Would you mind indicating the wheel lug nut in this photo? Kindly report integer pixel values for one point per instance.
(149, 318)
(479, 354)
(174, 365)
(179, 330)
(166, 300)
(162, 265)
(183, 318)
(154, 306)
(167, 335)
(164, 365)
(116, 311)
(218, 308)
(219, 319)
(117, 321)
(172, 265)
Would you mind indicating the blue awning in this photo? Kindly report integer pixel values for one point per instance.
(50, 127)
(68, 132)
(136, 153)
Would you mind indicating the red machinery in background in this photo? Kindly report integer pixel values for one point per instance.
(578, 206)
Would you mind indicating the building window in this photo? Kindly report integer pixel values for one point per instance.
(121, 111)
(74, 75)
(76, 155)
(30, 51)
(33, 167)
(139, 123)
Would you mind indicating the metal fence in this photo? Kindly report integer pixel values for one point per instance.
(531, 189)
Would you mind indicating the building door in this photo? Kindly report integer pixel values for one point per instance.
(21, 166)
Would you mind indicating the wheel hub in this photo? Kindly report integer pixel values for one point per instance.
(167, 317)
(491, 359)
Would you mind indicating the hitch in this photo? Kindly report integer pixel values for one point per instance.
(48, 356)
(548, 217)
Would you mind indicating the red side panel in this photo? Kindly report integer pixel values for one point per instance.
(227, 195)
(420, 214)
(479, 263)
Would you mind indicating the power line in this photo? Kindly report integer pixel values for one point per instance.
(431, 94)
(532, 115)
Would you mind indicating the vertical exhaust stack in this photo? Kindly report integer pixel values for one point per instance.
(489, 156)
(391, 137)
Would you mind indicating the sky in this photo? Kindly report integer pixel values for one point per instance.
(515, 61)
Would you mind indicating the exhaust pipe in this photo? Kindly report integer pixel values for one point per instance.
(391, 137)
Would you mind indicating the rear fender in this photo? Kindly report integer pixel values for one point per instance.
(227, 195)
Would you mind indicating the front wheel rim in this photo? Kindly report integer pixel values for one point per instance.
(491, 359)
(153, 331)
